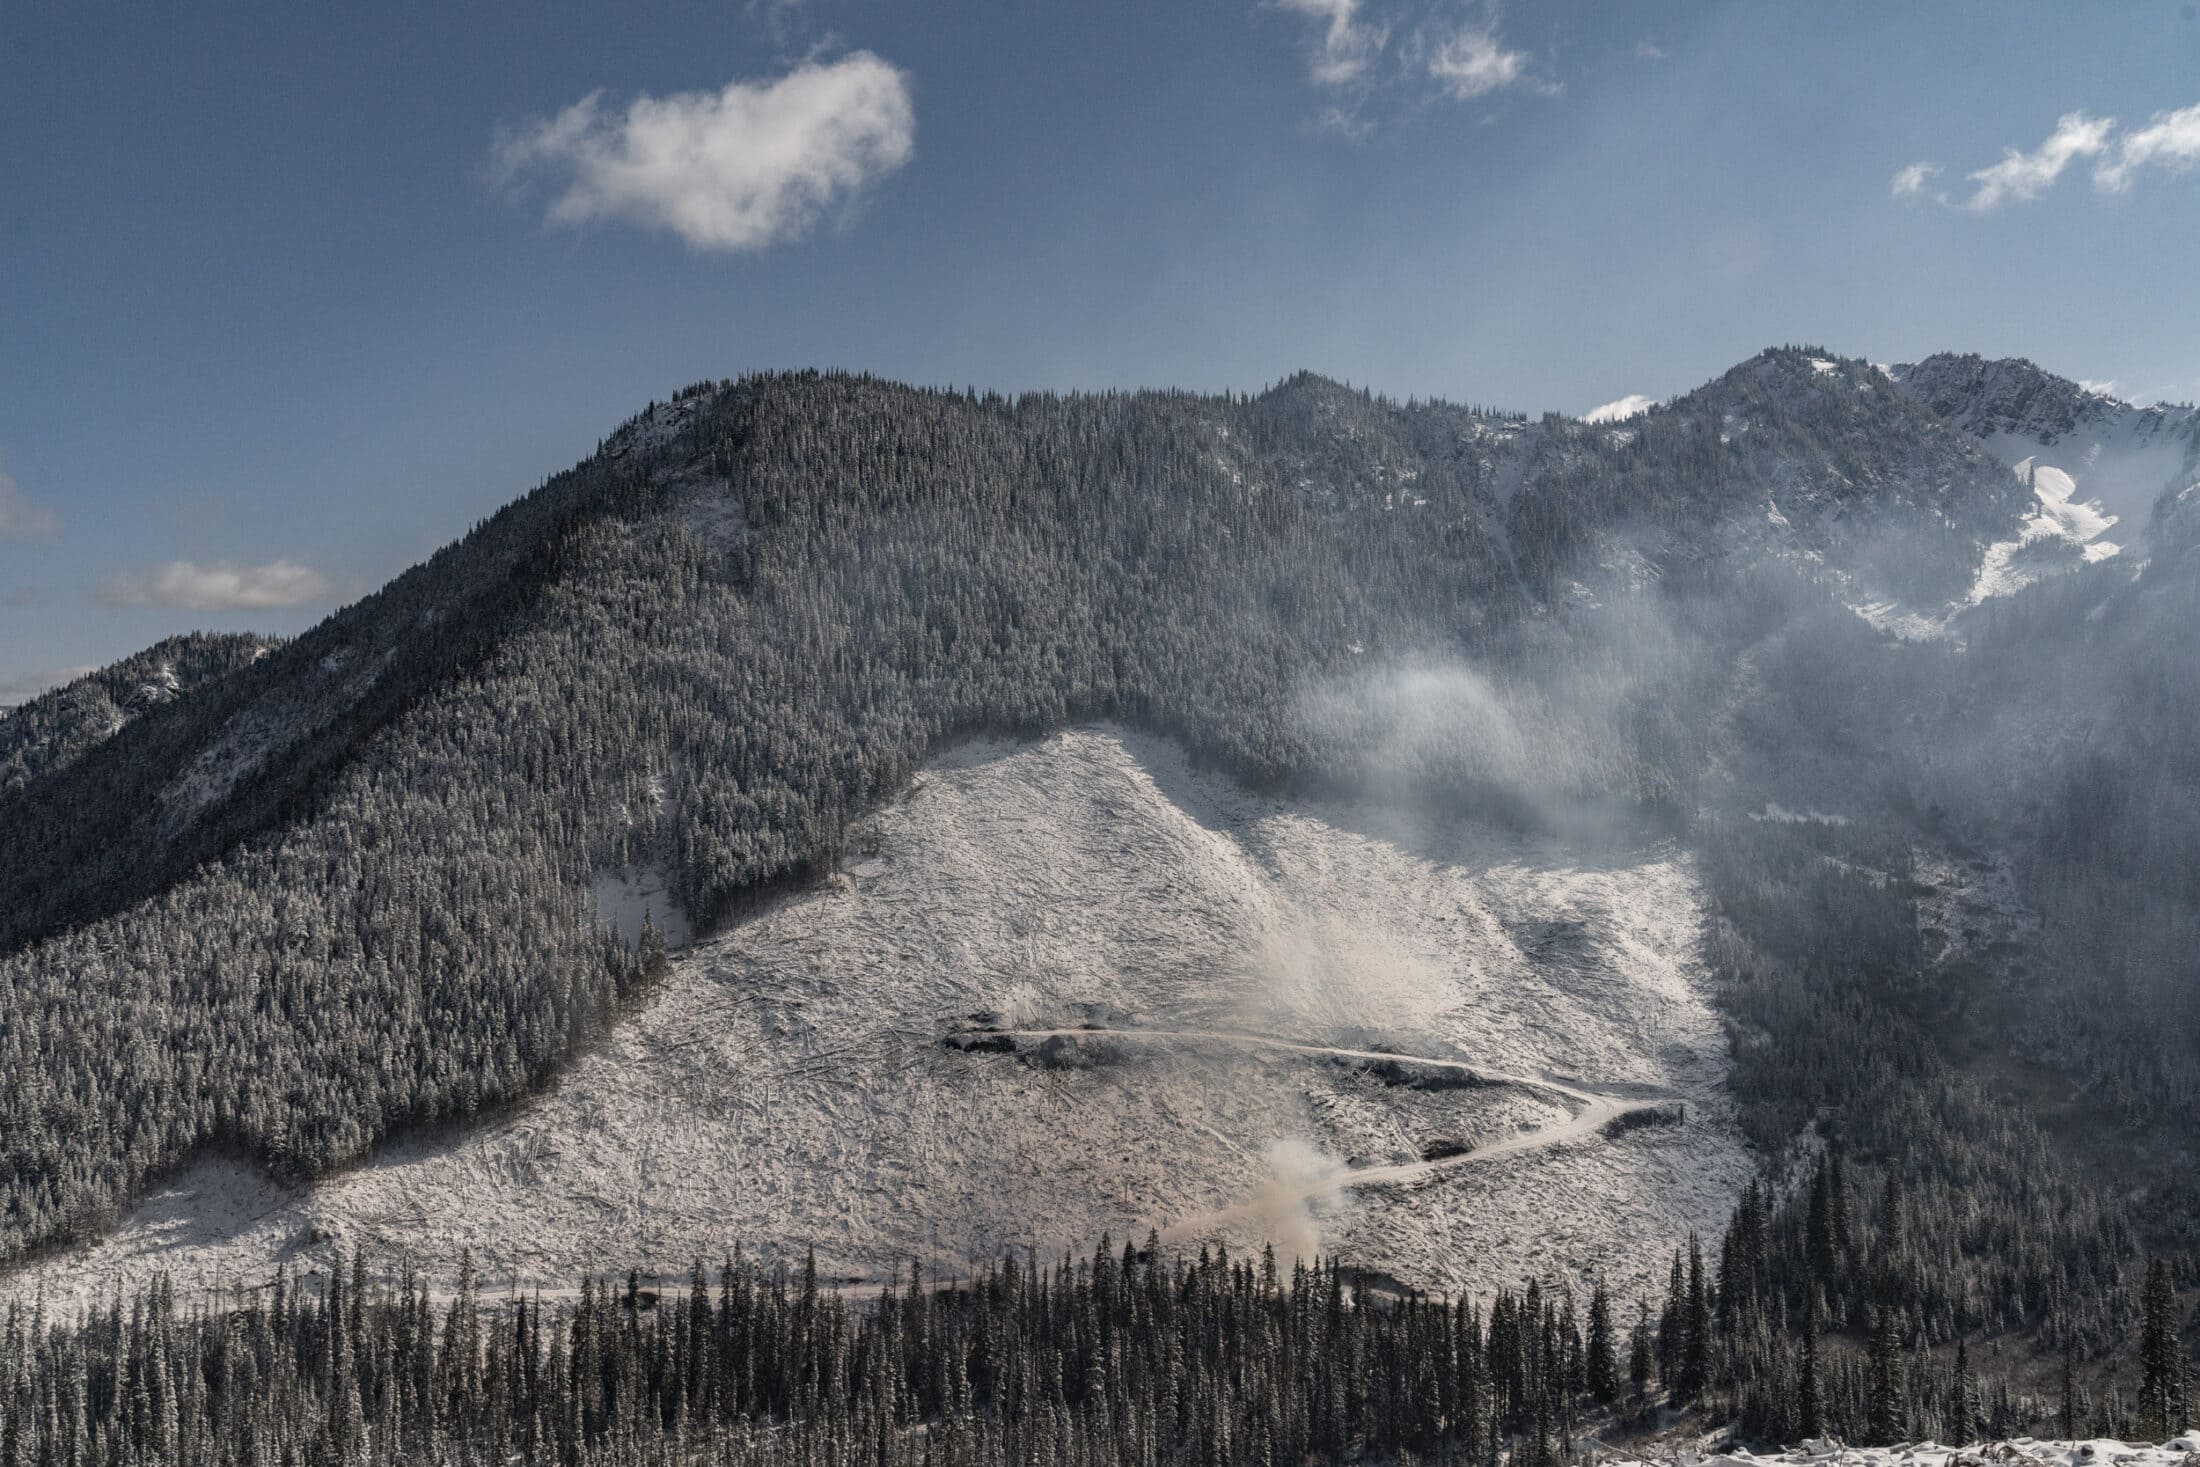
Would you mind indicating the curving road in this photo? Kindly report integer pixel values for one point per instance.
(1592, 1111)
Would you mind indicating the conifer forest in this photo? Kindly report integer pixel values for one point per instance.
(290, 900)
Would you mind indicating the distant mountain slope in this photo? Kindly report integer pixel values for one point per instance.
(1488, 516)
(2100, 468)
(58, 727)
(344, 892)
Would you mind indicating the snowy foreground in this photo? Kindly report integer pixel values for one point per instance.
(2019, 1452)
(842, 1068)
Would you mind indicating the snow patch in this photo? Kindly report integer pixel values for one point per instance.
(2020, 1451)
(2114, 470)
(2060, 529)
(656, 427)
(622, 899)
(1778, 814)
(713, 509)
(1896, 620)
(1619, 410)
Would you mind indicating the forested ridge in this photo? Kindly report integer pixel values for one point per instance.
(56, 728)
(336, 891)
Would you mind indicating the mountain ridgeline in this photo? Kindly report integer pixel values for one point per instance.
(333, 889)
(56, 729)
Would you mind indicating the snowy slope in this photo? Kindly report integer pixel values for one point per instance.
(797, 1078)
(2098, 466)
(2019, 1452)
(2062, 532)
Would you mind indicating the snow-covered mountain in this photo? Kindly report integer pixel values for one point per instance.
(935, 728)
(2100, 469)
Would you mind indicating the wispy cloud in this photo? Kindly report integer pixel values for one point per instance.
(2170, 140)
(223, 586)
(747, 166)
(2020, 176)
(1471, 63)
(1356, 49)
(1348, 43)
(1649, 50)
(1911, 182)
(20, 517)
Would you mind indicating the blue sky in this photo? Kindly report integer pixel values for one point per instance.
(290, 295)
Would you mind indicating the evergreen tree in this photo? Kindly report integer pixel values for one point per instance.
(1887, 1402)
(1602, 1366)
(2068, 1416)
(1960, 1407)
(1810, 1402)
(2161, 1402)
(1695, 1368)
(1639, 1352)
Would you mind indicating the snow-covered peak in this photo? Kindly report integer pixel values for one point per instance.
(2006, 396)
(2098, 466)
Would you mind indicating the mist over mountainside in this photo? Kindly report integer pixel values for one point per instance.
(340, 892)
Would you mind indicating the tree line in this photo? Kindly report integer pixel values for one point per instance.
(1131, 1357)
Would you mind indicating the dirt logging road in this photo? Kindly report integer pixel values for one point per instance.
(1592, 1114)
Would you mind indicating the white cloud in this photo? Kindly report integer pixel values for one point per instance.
(1619, 410)
(1909, 183)
(2098, 389)
(2169, 140)
(20, 518)
(1649, 50)
(1348, 44)
(737, 169)
(1351, 53)
(1470, 63)
(2024, 176)
(223, 586)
